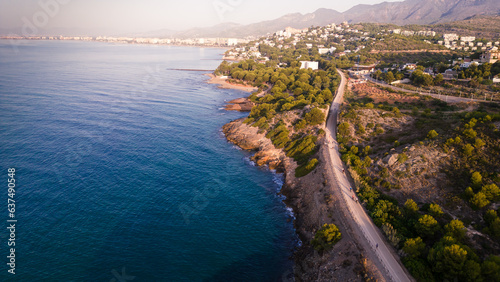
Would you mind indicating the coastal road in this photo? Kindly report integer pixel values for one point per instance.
(369, 233)
(446, 98)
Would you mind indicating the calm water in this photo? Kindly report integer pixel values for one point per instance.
(122, 169)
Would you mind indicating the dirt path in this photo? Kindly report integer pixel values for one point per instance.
(370, 236)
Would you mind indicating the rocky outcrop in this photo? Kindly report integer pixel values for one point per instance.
(240, 104)
(248, 138)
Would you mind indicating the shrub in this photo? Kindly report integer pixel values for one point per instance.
(411, 206)
(361, 129)
(326, 237)
(479, 201)
(302, 148)
(391, 234)
(402, 158)
(476, 179)
(456, 229)
(435, 210)
(414, 247)
(300, 124)
(427, 226)
(304, 170)
(260, 123)
(315, 117)
(468, 149)
(432, 134)
(279, 135)
(491, 191)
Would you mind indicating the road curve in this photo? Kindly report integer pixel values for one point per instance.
(373, 242)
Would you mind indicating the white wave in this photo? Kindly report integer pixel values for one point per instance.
(249, 161)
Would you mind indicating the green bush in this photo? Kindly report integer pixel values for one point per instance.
(435, 210)
(414, 247)
(279, 135)
(402, 158)
(305, 169)
(302, 148)
(432, 134)
(301, 124)
(492, 192)
(479, 201)
(315, 117)
(326, 237)
(427, 226)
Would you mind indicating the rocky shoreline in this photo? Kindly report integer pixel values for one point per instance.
(314, 205)
(311, 198)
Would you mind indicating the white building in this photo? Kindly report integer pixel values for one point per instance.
(322, 51)
(468, 38)
(309, 65)
(232, 41)
(450, 36)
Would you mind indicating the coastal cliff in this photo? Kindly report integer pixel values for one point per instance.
(248, 138)
(313, 204)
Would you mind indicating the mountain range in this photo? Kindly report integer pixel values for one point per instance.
(400, 13)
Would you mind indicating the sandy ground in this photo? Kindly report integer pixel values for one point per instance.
(226, 85)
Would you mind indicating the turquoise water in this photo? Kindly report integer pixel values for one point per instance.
(122, 171)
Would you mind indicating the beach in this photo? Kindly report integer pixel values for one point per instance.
(224, 84)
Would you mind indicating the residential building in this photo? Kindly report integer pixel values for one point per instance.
(490, 56)
(309, 65)
(450, 36)
(468, 38)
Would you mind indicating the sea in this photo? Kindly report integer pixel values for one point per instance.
(122, 172)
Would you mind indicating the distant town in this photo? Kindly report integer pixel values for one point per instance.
(209, 42)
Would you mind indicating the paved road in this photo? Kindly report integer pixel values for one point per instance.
(446, 98)
(392, 269)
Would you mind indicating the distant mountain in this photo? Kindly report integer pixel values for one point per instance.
(421, 11)
(400, 13)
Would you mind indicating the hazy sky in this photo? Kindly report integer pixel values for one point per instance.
(148, 15)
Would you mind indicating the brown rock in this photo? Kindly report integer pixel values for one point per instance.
(240, 104)
(249, 138)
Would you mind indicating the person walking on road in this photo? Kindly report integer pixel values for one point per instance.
(376, 246)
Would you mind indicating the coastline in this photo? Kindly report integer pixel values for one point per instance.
(224, 84)
(313, 204)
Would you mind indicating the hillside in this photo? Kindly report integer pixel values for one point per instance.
(428, 173)
(487, 27)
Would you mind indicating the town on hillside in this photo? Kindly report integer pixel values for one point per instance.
(452, 64)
